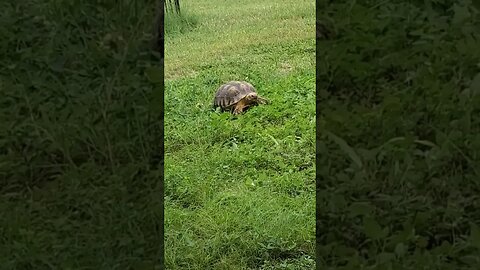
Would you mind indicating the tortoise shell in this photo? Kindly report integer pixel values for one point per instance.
(236, 96)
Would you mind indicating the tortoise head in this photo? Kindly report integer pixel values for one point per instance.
(251, 97)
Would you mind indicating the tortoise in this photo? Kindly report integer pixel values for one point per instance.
(237, 97)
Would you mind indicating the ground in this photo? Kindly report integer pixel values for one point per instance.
(239, 191)
(79, 136)
(398, 146)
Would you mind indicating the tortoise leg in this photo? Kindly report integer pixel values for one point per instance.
(239, 107)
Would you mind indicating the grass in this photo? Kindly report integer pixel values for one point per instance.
(78, 142)
(398, 151)
(239, 191)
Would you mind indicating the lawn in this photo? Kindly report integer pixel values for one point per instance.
(239, 191)
(399, 148)
(78, 139)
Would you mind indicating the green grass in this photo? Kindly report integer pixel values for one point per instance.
(399, 149)
(239, 191)
(178, 24)
(77, 140)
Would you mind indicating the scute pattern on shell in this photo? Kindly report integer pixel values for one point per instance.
(231, 93)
